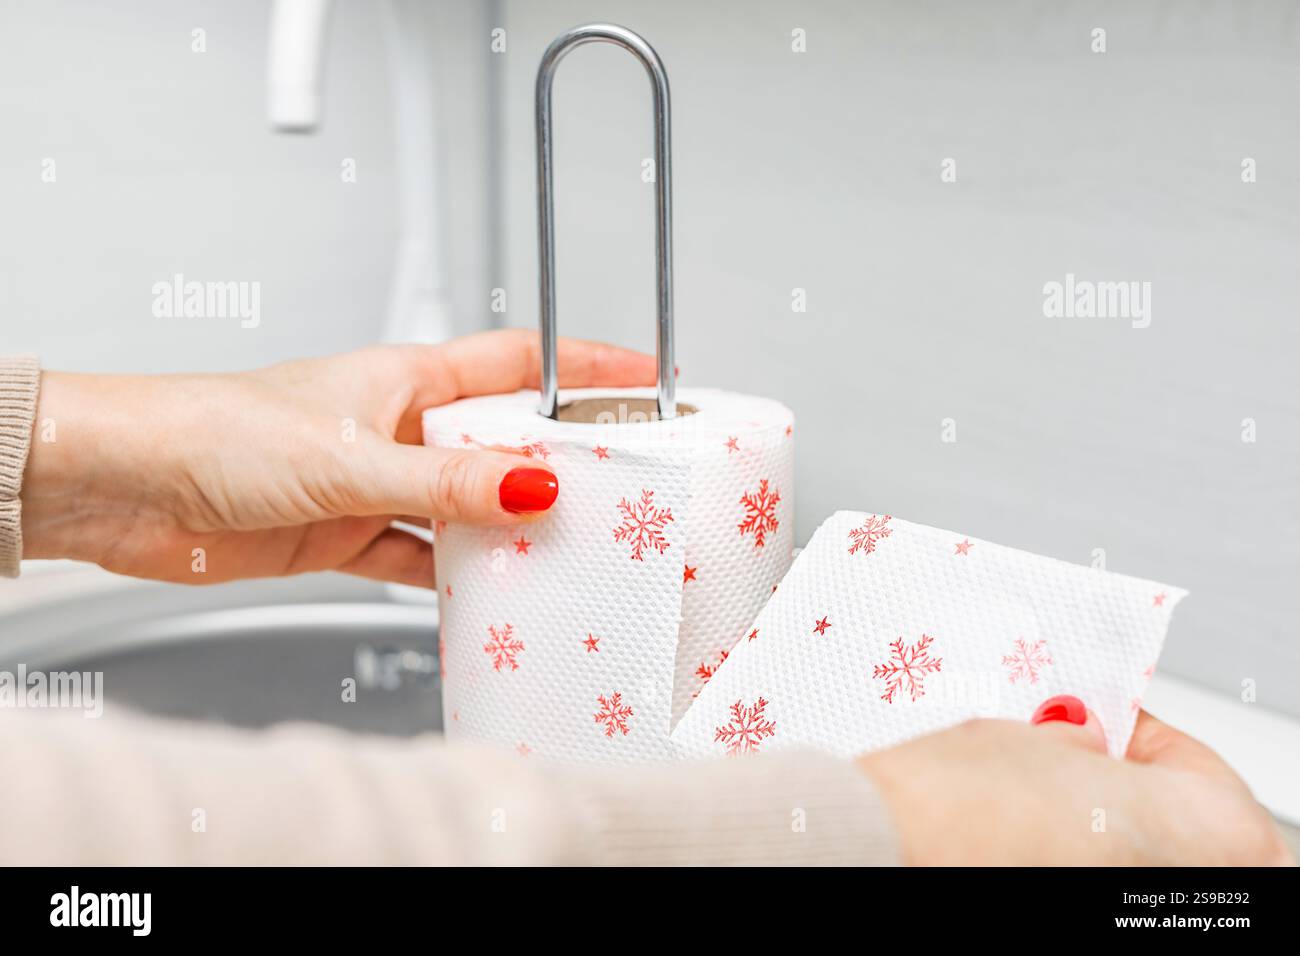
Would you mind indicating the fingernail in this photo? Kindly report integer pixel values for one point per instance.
(1065, 707)
(526, 490)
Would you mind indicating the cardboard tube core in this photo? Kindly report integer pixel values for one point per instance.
(614, 410)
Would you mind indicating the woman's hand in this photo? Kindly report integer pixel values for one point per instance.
(297, 467)
(998, 792)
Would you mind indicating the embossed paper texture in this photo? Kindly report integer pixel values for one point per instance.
(586, 634)
(884, 630)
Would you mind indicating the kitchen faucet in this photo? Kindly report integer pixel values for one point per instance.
(419, 301)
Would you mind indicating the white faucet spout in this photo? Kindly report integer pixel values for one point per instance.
(295, 61)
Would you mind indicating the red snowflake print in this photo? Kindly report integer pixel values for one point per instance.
(1028, 660)
(643, 525)
(907, 668)
(503, 647)
(613, 714)
(746, 729)
(760, 513)
(705, 671)
(873, 529)
(534, 449)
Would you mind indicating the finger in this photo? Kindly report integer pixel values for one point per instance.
(507, 360)
(466, 486)
(1155, 742)
(1069, 718)
(394, 556)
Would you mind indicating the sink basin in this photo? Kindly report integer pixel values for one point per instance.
(248, 654)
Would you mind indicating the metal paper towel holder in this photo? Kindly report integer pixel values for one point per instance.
(638, 47)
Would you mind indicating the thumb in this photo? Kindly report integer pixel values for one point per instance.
(1070, 719)
(463, 486)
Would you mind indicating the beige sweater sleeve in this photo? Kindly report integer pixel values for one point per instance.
(20, 378)
(123, 789)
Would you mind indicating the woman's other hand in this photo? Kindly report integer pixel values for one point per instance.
(1000, 792)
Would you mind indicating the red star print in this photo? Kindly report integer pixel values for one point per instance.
(688, 573)
(524, 749)
(789, 430)
(600, 452)
(732, 445)
(522, 545)
(963, 547)
(1159, 599)
(820, 626)
(754, 633)
(439, 527)
(591, 643)
(448, 590)
(466, 439)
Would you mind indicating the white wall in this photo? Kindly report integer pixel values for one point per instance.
(821, 171)
(165, 164)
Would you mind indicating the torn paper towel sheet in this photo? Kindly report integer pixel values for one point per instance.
(585, 634)
(885, 630)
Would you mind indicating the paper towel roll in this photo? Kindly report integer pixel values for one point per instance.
(587, 634)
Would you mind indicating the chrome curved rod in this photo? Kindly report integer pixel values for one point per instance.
(620, 36)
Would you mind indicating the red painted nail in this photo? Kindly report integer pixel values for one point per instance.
(1065, 707)
(525, 490)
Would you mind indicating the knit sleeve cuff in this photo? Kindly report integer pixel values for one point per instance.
(787, 809)
(20, 377)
